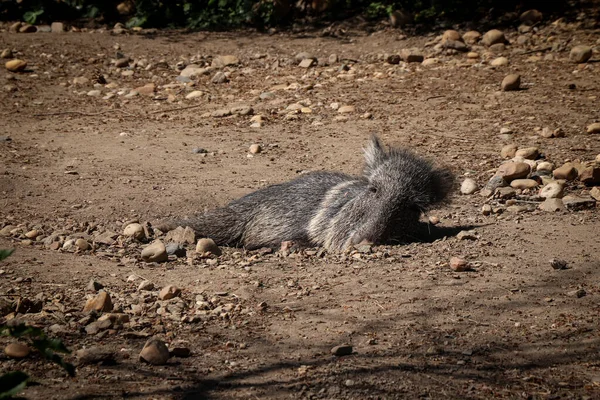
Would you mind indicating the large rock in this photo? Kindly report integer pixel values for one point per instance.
(511, 82)
(16, 65)
(580, 54)
(567, 172)
(155, 252)
(155, 352)
(101, 302)
(492, 37)
(593, 128)
(590, 176)
(513, 170)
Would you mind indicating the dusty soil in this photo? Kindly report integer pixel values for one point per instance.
(510, 327)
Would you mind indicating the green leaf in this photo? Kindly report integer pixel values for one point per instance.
(31, 16)
(4, 253)
(12, 383)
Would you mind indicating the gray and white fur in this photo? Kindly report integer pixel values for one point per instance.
(331, 209)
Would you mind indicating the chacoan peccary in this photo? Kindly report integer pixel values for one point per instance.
(331, 209)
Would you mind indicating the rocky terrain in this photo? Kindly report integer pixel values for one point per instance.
(108, 131)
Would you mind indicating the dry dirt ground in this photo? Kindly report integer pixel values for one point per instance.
(262, 325)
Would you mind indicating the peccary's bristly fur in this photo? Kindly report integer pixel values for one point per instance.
(331, 209)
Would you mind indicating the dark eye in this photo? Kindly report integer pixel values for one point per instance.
(372, 189)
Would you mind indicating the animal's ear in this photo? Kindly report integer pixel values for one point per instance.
(442, 182)
(374, 154)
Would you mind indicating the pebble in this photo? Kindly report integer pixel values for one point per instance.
(492, 37)
(94, 286)
(169, 292)
(499, 62)
(430, 61)
(82, 244)
(497, 48)
(579, 293)
(206, 245)
(346, 109)
(101, 302)
(469, 186)
(181, 236)
(219, 77)
(155, 352)
(194, 94)
(27, 29)
(552, 205)
(471, 37)
(17, 350)
(176, 249)
(511, 82)
(473, 54)
(595, 193)
(32, 234)
(451, 34)
(580, 54)
(486, 209)
(95, 355)
(523, 184)
(531, 17)
(146, 90)
(94, 93)
(466, 235)
(508, 151)
(16, 65)
(529, 153)
(545, 166)
(307, 63)
(515, 209)
(57, 27)
(6, 53)
(433, 220)
(122, 62)
(332, 59)
(513, 170)
(593, 128)
(255, 148)
(457, 45)
(80, 81)
(567, 172)
(145, 285)
(180, 350)
(224, 61)
(553, 190)
(342, 350)
(557, 263)
(155, 252)
(191, 71)
(458, 264)
(135, 231)
(411, 55)
(578, 203)
(590, 176)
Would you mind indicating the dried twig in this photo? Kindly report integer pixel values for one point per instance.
(84, 114)
(176, 109)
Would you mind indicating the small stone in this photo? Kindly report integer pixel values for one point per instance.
(505, 193)
(94, 286)
(155, 352)
(342, 350)
(332, 59)
(57, 27)
(146, 90)
(393, 59)
(411, 55)
(6, 53)
(492, 37)
(32, 234)
(531, 17)
(306, 63)
(101, 302)
(499, 62)
(515, 209)
(96, 355)
(508, 151)
(553, 190)
(135, 231)
(194, 94)
(486, 209)
(207, 245)
(255, 148)
(27, 29)
(595, 193)
(471, 37)
(557, 263)
(528, 153)
(466, 235)
(155, 252)
(590, 176)
(457, 45)
(346, 109)
(511, 82)
(469, 186)
(579, 293)
(473, 55)
(513, 170)
(458, 264)
(523, 184)
(580, 54)
(192, 71)
(219, 77)
(430, 61)
(181, 236)
(82, 244)
(17, 350)
(224, 61)
(552, 205)
(176, 249)
(122, 62)
(576, 203)
(80, 81)
(593, 128)
(180, 350)
(16, 65)
(567, 172)
(145, 285)
(169, 292)
(506, 131)
(94, 93)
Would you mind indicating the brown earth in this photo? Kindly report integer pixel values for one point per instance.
(510, 327)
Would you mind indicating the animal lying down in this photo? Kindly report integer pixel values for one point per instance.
(332, 209)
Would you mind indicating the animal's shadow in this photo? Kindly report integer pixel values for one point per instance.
(428, 233)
